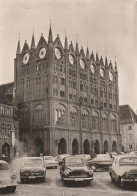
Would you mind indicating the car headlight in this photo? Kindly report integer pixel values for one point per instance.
(125, 175)
(91, 172)
(66, 172)
(13, 175)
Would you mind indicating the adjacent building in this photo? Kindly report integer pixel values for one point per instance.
(9, 125)
(68, 100)
(128, 128)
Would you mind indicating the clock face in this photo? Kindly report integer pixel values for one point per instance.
(92, 68)
(71, 59)
(102, 72)
(42, 53)
(82, 63)
(57, 53)
(111, 76)
(26, 58)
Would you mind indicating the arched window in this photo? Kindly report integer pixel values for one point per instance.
(39, 114)
(113, 123)
(2, 110)
(74, 117)
(84, 119)
(60, 114)
(95, 121)
(24, 117)
(104, 122)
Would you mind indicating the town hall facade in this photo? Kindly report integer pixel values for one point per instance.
(68, 101)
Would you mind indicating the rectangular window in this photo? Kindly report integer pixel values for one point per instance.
(130, 127)
(3, 128)
(130, 137)
(81, 87)
(2, 110)
(9, 129)
(70, 96)
(8, 111)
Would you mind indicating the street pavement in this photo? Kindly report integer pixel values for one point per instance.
(53, 186)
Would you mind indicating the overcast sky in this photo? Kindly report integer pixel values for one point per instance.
(109, 27)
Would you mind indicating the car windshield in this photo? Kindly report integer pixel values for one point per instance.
(48, 158)
(32, 162)
(4, 166)
(75, 162)
(128, 161)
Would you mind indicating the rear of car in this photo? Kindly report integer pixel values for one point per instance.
(7, 178)
(32, 168)
(50, 162)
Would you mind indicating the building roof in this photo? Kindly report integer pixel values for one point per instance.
(5, 90)
(127, 115)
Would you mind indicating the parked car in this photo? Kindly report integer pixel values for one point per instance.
(50, 162)
(75, 169)
(59, 158)
(32, 168)
(134, 153)
(7, 178)
(124, 169)
(101, 161)
(87, 157)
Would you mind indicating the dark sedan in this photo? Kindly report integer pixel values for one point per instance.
(101, 161)
(75, 169)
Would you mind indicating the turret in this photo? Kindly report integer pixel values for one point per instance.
(33, 42)
(18, 48)
(50, 38)
(87, 54)
(66, 43)
(77, 49)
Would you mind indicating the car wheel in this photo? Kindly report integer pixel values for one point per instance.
(10, 189)
(93, 167)
(22, 180)
(112, 179)
(122, 184)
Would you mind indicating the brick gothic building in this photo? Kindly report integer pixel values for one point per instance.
(68, 101)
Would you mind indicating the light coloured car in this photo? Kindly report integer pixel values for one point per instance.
(87, 157)
(124, 169)
(32, 168)
(59, 158)
(133, 153)
(50, 162)
(75, 169)
(7, 178)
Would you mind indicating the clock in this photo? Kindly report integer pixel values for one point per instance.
(102, 72)
(92, 68)
(82, 63)
(57, 53)
(26, 58)
(111, 76)
(42, 53)
(71, 59)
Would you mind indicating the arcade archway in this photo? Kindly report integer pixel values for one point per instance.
(86, 147)
(75, 147)
(97, 151)
(105, 146)
(114, 146)
(62, 146)
(6, 152)
(39, 147)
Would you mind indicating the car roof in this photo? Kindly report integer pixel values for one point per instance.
(125, 156)
(1, 161)
(73, 156)
(32, 158)
(47, 156)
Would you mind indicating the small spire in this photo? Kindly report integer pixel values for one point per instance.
(97, 58)
(50, 39)
(33, 41)
(18, 47)
(115, 66)
(106, 62)
(71, 47)
(66, 42)
(76, 49)
(101, 60)
(92, 57)
(87, 54)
